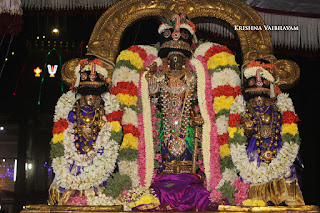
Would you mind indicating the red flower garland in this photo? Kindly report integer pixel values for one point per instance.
(223, 139)
(235, 120)
(60, 126)
(114, 116)
(289, 117)
(216, 49)
(142, 53)
(129, 128)
(125, 88)
(226, 90)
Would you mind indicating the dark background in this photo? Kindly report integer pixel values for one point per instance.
(32, 123)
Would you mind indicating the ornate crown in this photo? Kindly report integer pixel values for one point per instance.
(91, 73)
(260, 76)
(178, 34)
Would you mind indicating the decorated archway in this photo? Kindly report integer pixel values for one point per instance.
(105, 38)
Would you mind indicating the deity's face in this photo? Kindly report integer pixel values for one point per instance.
(90, 99)
(256, 86)
(176, 62)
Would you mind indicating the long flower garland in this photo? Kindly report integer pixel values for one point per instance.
(285, 157)
(210, 145)
(86, 170)
(147, 124)
(127, 85)
(214, 65)
(223, 72)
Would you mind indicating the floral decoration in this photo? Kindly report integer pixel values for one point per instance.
(138, 196)
(215, 65)
(285, 157)
(225, 86)
(126, 83)
(95, 166)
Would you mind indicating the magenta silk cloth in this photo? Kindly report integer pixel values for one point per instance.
(183, 192)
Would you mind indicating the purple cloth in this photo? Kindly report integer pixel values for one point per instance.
(183, 192)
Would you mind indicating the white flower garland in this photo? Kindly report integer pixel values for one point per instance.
(95, 167)
(129, 168)
(64, 105)
(266, 172)
(102, 200)
(147, 123)
(125, 74)
(206, 127)
(226, 76)
(203, 48)
(100, 170)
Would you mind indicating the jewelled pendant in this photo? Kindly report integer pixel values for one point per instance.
(177, 146)
(265, 131)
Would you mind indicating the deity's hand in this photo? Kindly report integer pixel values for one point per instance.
(197, 120)
(153, 85)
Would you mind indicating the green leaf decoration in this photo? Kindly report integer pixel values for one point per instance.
(116, 184)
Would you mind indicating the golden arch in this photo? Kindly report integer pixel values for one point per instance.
(106, 35)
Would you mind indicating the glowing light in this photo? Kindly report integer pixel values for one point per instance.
(1, 128)
(38, 37)
(55, 30)
(52, 69)
(37, 71)
(3, 160)
(15, 170)
(43, 36)
(29, 166)
(12, 53)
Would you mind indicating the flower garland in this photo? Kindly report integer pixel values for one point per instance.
(210, 143)
(127, 84)
(138, 196)
(95, 167)
(215, 66)
(148, 136)
(285, 157)
(225, 85)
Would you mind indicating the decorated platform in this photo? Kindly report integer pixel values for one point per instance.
(222, 208)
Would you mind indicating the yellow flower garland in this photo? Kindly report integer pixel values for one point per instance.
(224, 150)
(116, 126)
(133, 57)
(129, 141)
(222, 102)
(233, 130)
(126, 99)
(289, 128)
(221, 59)
(57, 138)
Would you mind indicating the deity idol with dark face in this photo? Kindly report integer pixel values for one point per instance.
(172, 90)
(172, 98)
(82, 150)
(271, 132)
